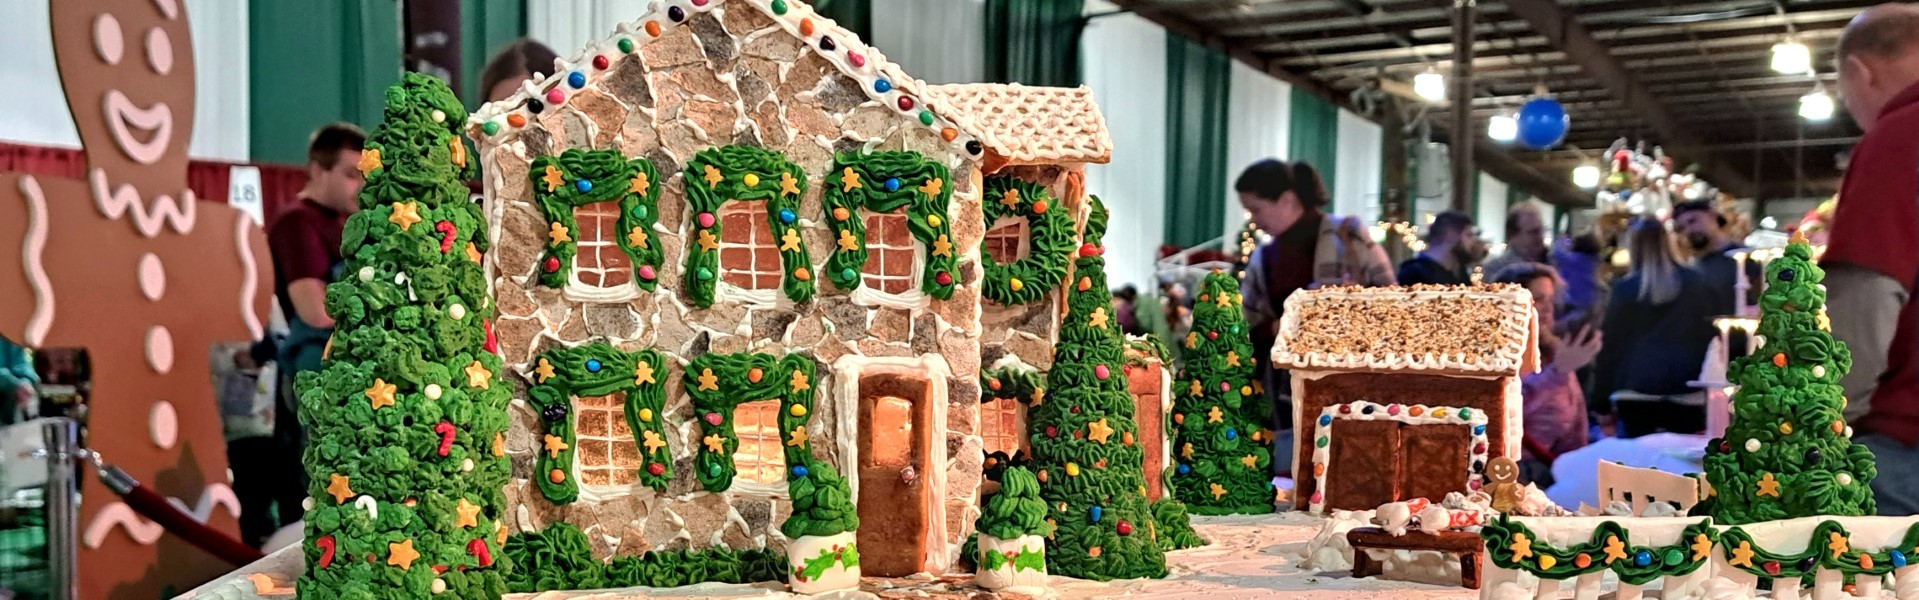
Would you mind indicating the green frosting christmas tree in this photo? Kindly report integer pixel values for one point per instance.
(1787, 451)
(1220, 450)
(406, 423)
(1016, 510)
(1086, 450)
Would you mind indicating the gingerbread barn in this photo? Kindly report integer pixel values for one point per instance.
(731, 234)
(1403, 393)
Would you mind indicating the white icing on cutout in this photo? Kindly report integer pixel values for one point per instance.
(122, 198)
(123, 116)
(1323, 428)
(108, 41)
(160, 349)
(146, 532)
(163, 425)
(33, 246)
(168, 9)
(153, 277)
(159, 51)
(249, 276)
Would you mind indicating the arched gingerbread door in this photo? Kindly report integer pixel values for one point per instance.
(1147, 384)
(896, 434)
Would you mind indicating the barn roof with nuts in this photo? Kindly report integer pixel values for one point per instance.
(1486, 330)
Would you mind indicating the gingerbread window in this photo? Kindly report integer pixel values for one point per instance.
(601, 263)
(1006, 241)
(1002, 426)
(759, 457)
(749, 254)
(891, 259)
(607, 456)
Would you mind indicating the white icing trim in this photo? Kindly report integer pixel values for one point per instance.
(122, 113)
(145, 532)
(249, 276)
(1394, 412)
(120, 199)
(32, 247)
(1511, 358)
(847, 372)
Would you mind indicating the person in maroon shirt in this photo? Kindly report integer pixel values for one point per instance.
(1872, 262)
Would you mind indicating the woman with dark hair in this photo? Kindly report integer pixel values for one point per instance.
(1309, 249)
(1555, 406)
(515, 63)
(1660, 321)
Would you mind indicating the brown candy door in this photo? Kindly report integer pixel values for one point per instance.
(894, 441)
(1150, 414)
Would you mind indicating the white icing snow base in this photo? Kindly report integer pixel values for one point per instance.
(836, 577)
(1009, 578)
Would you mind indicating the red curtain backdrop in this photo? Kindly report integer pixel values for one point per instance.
(207, 179)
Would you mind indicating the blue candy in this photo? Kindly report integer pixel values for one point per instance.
(583, 185)
(1642, 558)
(1325, 420)
(787, 216)
(592, 365)
(882, 86)
(1232, 434)
(1183, 469)
(799, 470)
(892, 184)
(577, 79)
(1094, 512)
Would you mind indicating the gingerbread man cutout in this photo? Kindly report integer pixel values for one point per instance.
(1505, 490)
(127, 264)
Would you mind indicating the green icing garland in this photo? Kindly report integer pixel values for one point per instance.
(1510, 545)
(579, 177)
(847, 557)
(1744, 554)
(716, 176)
(598, 369)
(560, 557)
(718, 383)
(1022, 384)
(1050, 231)
(1016, 510)
(882, 182)
(1034, 560)
(1219, 413)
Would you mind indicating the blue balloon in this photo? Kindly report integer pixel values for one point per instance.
(1543, 123)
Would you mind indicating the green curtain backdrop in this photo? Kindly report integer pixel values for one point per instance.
(1035, 42)
(1198, 95)
(1314, 135)
(855, 15)
(486, 26)
(314, 63)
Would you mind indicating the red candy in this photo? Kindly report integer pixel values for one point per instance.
(477, 548)
(492, 342)
(327, 547)
(447, 232)
(552, 264)
(906, 103)
(656, 469)
(445, 430)
(600, 62)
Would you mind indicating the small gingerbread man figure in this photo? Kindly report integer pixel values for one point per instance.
(1505, 488)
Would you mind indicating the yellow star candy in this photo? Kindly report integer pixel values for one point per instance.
(942, 246)
(707, 241)
(381, 393)
(1232, 358)
(1837, 543)
(1251, 462)
(543, 372)
(1215, 415)
(1223, 300)
(708, 381)
(1039, 395)
(369, 161)
(715, 443)
(477, 376)
(643, 373)
(639, 184)
(1216, 490)
(1615, 549)
(472, 252)
(799, 381)
(405, 214)
(468, 514)
(554, 445)
(1522, 547)
(849, 180)
(848, 242)
(789, 185)
(713, 176)
(1098, 431)
(1098, 319)
(1825, 322)
(1742, 556)
(798, 438)
(933, 187)
(499, 445)
(652, 441)
(790, 241)
(1768, 486)
(558, 234)
(401, 555)
(554, 179)
(338, 487)
(1701, 546)
(637, 237)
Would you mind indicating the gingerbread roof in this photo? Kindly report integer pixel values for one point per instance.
(881, 80)
(1461, 330)
(1028, 125)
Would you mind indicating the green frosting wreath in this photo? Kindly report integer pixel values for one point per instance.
(1013, 382)
(718, 383)
(1511, 545)
(560, 558)
(1829, 548)
(597, 369)
(577, 178)
(716, 176)
(1050, 235)
(883, 182)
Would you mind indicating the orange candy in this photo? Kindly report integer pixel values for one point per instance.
(802, 274)
(755, 374)
(516, 120)
(1779, 360)
(1039, 207)
(1319, 469)
(949, 134)
(841, 214)
(1085, 283)
(1093, 551)
(556, 476)
(1583, 560)
(653, 28)
(1179, 418)
(806, 27)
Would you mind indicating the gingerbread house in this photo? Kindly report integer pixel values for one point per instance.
(1403, 393)
(732, 234)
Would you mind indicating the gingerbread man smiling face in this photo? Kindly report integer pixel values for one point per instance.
(126, 264)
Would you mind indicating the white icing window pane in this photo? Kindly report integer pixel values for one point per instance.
(890, 253)
(1006, 241)
(601, 262)
(759, 458)
(1003, 426)
(604, 442)
(749, 254)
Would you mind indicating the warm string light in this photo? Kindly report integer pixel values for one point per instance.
(1408, 234)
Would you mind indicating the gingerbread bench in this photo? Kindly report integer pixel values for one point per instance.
(1466, 545)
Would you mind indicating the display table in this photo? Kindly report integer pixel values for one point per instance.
(1249, 557)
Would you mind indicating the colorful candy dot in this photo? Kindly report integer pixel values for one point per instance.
(906, 103)
(515, 120)
(882, 86)
(706, 219)
(676, 13)
(578, 79)
(555, 96)
(583, 186)
(973, 147)
(779, 7)
(705, 274)
(652, 29)
(799, 470)
(552, 264)
(1321, 442)
(1094, 513)
(926, 118)
(1102, 372)
(626, 45)
(787, 216)
(535, 106)
(646, 272)
(856, 60)
(806, 27)
(1465, 413)
(556, 476)
(490, 127)
(1392, 409)
(1583, 560)
(751, 180)
(1183, 469)
(646, 415)
(848, 274)
(840, 214)
(892, 184)
(601, 62)
(943, 278)
(798, 410)
(656, 469)
(1232, 434)
(802, 274)
(593, 365)
(1898, 559)
(1479, 430)
(934, 220)
(1642, 558)
(826, 43)
(949, 134)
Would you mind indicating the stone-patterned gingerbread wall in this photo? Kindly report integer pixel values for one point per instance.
(728, 77)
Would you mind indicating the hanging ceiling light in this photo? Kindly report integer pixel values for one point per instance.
(1586, 176)
(1816, 106)
(1430, 85)
(1791, 57)
(1503, 127)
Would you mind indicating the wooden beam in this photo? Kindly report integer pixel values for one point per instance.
(1568, 35)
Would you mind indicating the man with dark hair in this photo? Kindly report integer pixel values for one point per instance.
(1450, 250)
(1525, 239)
(305, 240)
(1872, 263)
(1704, 230)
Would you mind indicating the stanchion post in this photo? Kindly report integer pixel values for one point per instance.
(62, 437)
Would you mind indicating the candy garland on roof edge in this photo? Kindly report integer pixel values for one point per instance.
(407, 420)
(1511, 545)
(882, 182)
(1787, 451)
(1050, 241)
(1085, 450)
(1222, 453)
(577, 178)
(597, 369)
(716, 176)
(560, 558)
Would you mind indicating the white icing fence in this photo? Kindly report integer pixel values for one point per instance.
(1716, 579)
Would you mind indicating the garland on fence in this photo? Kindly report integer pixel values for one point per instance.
(1511, 545)
(598, 369)
(716, 176)
(577, 178)
(1050, 241)
(1830, 548)
(883, 182)
(1023, 384)
(560, 557)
